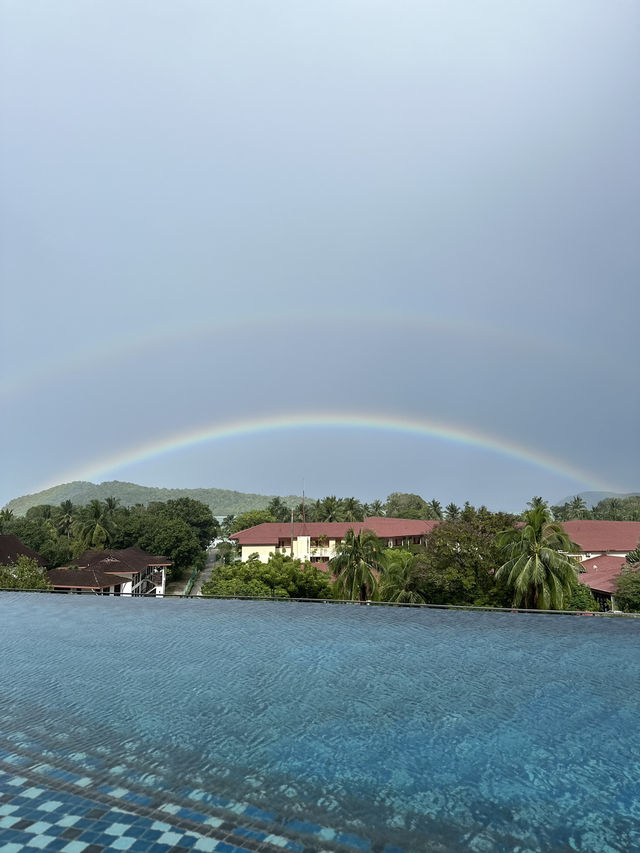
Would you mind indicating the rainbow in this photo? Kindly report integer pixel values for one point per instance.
(124, 347)
(371, 422)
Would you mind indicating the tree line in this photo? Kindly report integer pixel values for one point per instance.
(479, 558)
(473, 557)
(408, 505)
(178, 529)
(332, 508)
(608, 509)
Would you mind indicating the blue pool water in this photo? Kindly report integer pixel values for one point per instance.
(264, 726)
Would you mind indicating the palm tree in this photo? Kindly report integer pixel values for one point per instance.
(435, 508)
(111, 504)
(352, 509)
(331, 509)
(357, 564)
(578, 508)
(65, 518)
(537, 502)
(540, 575)
(399, 581)
(94, 528)
(452, 511)
(376, 509)
(278, 509)
(6, 516)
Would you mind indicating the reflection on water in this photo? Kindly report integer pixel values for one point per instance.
(388, 726)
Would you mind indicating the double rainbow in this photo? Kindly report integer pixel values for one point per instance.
(370, 422)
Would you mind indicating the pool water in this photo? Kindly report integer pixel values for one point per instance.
(228, 725)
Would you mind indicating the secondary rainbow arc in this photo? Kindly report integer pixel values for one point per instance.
(426, 428)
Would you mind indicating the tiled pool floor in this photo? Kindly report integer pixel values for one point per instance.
(45, 805)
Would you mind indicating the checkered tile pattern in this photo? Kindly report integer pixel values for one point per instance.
(54, 797)
(39, 812)
(37, 817)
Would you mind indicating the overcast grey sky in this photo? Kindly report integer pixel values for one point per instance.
(222, 211)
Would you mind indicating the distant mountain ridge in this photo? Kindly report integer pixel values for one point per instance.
(220, 501)
(593, 498)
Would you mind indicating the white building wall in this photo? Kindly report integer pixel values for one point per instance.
(262, 551)
(587, 555)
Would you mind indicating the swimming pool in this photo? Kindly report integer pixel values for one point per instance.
(231, 725)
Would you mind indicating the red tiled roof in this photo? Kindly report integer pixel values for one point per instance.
(11, 548)
(270, 533)
(601, 536)
(602, 572)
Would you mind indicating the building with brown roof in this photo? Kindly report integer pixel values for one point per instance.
(316, 541)
(603, 547)
(601, 575)
(11, 548)
(616, 538)
(130, 571)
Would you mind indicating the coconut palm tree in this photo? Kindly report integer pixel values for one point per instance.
(65, 518)
(94, 528)
(376, 509)
(435, 507)
(537, 502)
(111, 504)
(6, 517)
(278, 509)
(352, 509)
(399, 581)
(539, 574)
(331, 509)
(452, 512)
(358, 562)
(578, 508)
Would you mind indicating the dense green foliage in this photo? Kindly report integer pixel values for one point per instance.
(538, 574)
(608, 509)
(633, 557)
(281, 577)
(401, 580)
(627, 596)
(251, 519)
(24, 574)
(458, 564)
(473, 557)
(180, 529)
(580, 597)
(404, 505)
(357, 564)
(220, 501)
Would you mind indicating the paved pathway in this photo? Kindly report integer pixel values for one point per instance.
(178, 587)
(205, 574)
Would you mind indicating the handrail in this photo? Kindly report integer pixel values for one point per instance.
(189, 585)
(281, 599)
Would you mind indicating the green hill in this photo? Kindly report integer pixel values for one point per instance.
(220, 501)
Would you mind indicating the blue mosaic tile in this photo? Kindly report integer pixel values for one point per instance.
(353, 841)
(51, 813)
(250, 833)
(189, 814)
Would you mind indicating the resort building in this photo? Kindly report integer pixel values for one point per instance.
(316, 541)
(595, 538)
(603, 546)
(601, 575)
(11, 548)
(127, 572)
